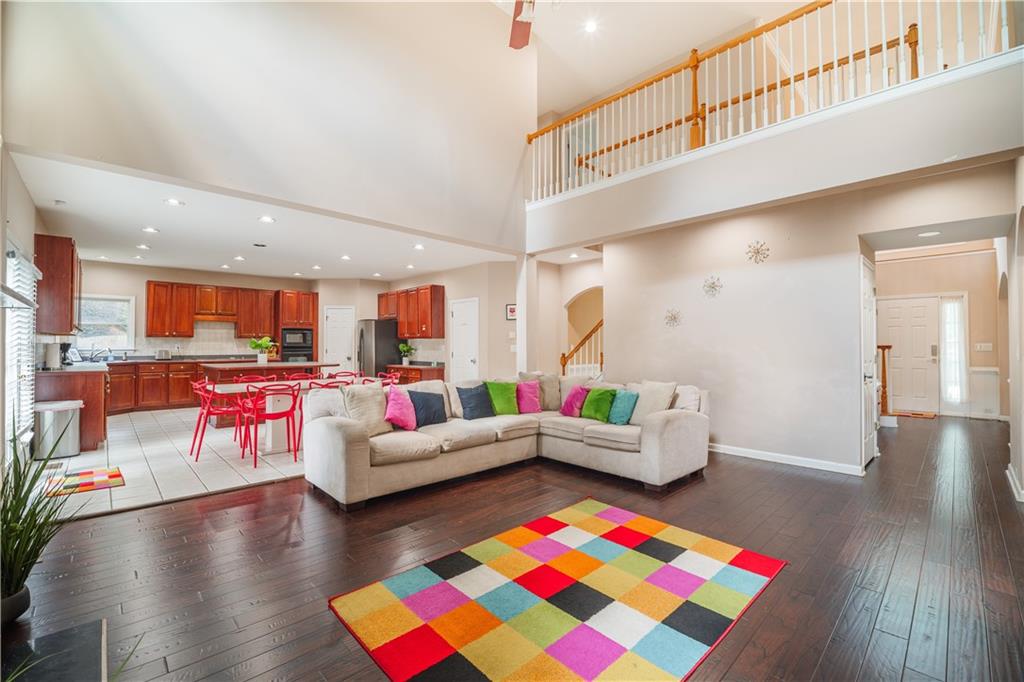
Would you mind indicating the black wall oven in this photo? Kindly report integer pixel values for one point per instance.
(297, 345)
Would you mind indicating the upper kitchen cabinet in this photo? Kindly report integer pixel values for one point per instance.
(60, 288)
(255, 317)
(170, 309)
(296, 308)
(214, 301)
(387, 305)
(420, 312)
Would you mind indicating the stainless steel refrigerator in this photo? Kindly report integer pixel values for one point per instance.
(376, 345)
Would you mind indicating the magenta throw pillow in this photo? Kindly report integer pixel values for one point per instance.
(528, 396)
(400, 410)
(574, 401)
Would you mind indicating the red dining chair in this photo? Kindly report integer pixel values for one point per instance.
(213, 404)
(344, 374)
(301, 376)
(255, 378)
(388, 378)
(254, 410)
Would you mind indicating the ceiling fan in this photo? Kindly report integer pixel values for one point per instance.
(522, 21)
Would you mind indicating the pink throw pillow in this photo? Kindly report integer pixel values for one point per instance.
(528, 396)
(574, 401)
(400, 410)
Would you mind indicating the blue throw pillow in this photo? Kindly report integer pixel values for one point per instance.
(622, 407)
(429, 408)
(476, 402)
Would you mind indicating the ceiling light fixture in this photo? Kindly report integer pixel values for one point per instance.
(590, 26)
(266, 219)
(296, 274)
(928, 234)
(418, 247)
(527, 14)
(410, 266)
(225, 267)
(317, 267)
(150, 229)
(171, 201)
(101, 257)
(574, 255)
(346, 257)
(144, 247)
(239, 258)
(137, 257)
(376, 274)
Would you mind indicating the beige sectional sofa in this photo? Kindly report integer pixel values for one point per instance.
(345, 461)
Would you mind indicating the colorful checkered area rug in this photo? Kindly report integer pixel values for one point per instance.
(84, 481)
(588, 592)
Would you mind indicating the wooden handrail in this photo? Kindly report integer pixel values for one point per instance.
(566, 357)
(692, 63)
(910, 39)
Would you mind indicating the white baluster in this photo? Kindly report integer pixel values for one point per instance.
(981, 29)
(792, 82)
(718, 99)
(920, 39)
(867, 52)
(739, 63)
(728, 92)
(675, 131)
(821, 61)
(764, 78)
(778, 77)
(707, 99)
(885, 49)
(753, 83)
(807, 99)
(851, 67)
(1004, 30)
(940, 58)
(900, 59)
(960, 58)
(835, 56)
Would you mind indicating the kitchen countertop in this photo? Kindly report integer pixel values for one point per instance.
(265, 365)
(77, 368)
(184, 358)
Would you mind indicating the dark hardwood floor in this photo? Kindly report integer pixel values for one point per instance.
(915, 571)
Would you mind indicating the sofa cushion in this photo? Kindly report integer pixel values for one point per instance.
(550, 392)
(400, 411)
(686, 398)
(432, 386)
(402, 446)
(509, 426)
(503, 396)
(622, 407)
(453, 395)
(476, 402)
(598, 404)
(429, 408)
(323, 402)
(367, 405)
(547, 414)
(459, 434)
(613, 436)
(528, 396)
(566, 427)
(566, 383)
(574, 401)
(655, 396)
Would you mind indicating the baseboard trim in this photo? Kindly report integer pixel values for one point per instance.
(793, 460)
(1015, 486)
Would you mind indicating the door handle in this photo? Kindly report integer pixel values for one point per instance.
(472, 361)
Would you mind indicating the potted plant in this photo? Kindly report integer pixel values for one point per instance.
(29, 519)
(262, 347)
(406, 351)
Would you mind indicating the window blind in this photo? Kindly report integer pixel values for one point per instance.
(19, 346)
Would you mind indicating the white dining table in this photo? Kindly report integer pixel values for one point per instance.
(274, 433)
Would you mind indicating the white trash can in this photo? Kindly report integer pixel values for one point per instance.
(52, 418)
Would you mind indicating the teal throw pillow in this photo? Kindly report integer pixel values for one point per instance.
(622, 407)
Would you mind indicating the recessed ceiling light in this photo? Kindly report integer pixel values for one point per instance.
(101, 257)
(266, 219)
(150, 229)
(137, 257)
(590, 26)
(345, 257)
(317, 267)
(261, 246)
(239, 258)
(144, 247)
(376, 274)
(928, 234)
(418, 247)
(410, 266)
(296, 274)
(574, 255)
(174, 202)
(225, 267)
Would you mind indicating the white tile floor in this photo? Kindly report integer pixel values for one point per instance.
(151, 448)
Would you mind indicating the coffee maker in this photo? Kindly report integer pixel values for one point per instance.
(64, 359)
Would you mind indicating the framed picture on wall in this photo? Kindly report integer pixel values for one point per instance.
(510, 311)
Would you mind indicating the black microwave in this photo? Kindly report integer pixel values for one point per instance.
(296, 338)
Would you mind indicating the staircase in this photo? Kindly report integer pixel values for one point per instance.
(586, 358)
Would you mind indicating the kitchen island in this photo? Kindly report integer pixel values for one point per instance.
(225, 373)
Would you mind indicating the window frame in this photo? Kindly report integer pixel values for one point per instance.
(131, 318)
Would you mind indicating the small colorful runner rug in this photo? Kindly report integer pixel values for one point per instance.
(588, 592)
(84, 481)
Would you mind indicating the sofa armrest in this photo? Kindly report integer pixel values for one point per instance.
(705, 403)
(673, 443)
(336, 451)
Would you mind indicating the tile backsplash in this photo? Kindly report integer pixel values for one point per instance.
(429, 350)
(211, 338)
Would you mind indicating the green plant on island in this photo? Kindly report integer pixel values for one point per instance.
(262, 345)
(405, 350)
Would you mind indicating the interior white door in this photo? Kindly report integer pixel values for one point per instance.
(465, 335)
(911, 326)
(869, 353)
(339, 336)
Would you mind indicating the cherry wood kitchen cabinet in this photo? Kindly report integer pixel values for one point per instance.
(60, 289)
(410, 374)
(88, 386)
(387, 305)
(216, 301)
(421, 312)
(170, 309)
(255, 316)
(122, 388)
(180, 376)
(407, 314)
(151, 391)
(307, 308)
(288, 308)
(227, 301)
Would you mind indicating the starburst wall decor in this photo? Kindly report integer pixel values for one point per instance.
(758, 252)
(673, 318)
(712, 286)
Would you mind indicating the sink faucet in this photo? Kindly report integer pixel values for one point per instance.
(97, 353)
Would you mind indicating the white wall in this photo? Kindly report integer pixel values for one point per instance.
(413, 114)
(779, 347)
(1015, 305)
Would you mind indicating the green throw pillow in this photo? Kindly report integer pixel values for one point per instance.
(503, 397)
(598, 404)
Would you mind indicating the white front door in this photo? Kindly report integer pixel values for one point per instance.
(465, 336)
(339, 336)
(911, 326)
(869, 350)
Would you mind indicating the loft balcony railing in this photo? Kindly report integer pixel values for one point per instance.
(817, 56)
